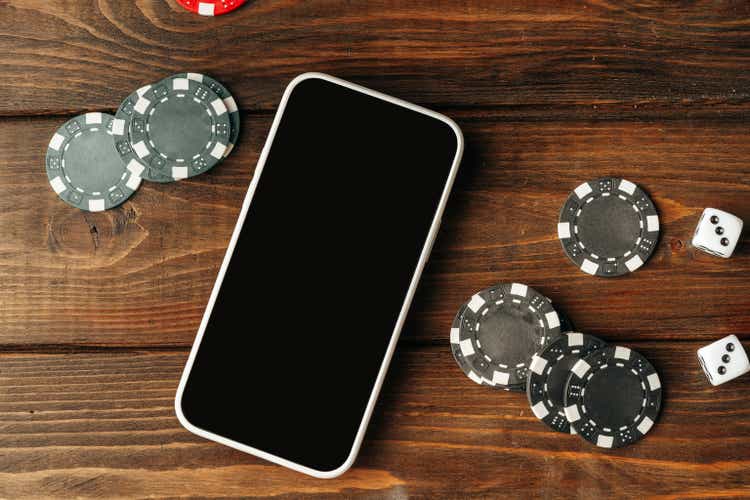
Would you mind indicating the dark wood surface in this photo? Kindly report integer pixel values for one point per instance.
(98, 311)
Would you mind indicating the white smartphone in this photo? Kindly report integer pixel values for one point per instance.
(334, 232)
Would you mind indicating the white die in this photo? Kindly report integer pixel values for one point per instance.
(717, 233)
(726, 355)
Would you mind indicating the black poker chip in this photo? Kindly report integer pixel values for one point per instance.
(549, 372)
(463, 363)
(498, 330)
(613, 397)
(608, 227)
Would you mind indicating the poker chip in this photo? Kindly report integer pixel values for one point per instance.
(497, 332)
(211, 7)
(178, 128)
(608, 227)
(549, 372)
(613, 397)
(84, 168)
(221, 91)
(120, 129)
(462, 362)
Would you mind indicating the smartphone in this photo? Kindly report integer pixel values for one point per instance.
(332, 237)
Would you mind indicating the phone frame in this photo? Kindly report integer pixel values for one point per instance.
(404, 308)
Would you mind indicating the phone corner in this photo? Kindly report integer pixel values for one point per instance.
(308, 75)
(337, 472)
(456, 131)
(180, 414)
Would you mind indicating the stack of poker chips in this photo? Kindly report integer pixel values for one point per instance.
(510, 337)
(177, 128)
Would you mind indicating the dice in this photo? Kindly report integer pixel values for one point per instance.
(724, 360)
(717, 233)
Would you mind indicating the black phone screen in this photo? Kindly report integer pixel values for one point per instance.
(319, 274)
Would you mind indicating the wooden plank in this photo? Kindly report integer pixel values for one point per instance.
(141, 274)
(98, 424)
(541, 58)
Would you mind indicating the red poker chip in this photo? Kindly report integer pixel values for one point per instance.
(211, 7)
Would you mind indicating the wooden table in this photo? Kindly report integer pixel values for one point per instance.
(98, 310)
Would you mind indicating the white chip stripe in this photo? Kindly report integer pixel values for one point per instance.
(467, 349)
(196, 77)
(581, 368)
(143, 90)
(575, 339)
(475, 303)
(96, 205)
(583, 190)
(589, 267)
(634, 263)
(56, 141)
(500, 378)
(206, 9)
(230, 103)
(135, 167)
(219, 106)
(141, 149)
(627, 187)
(133, 182)
(179, 173)
(180, 84)
(93, 118)
(653, 382)
(218, 151)
(645, 425)
(141, 105)
(58, 185)
(476, 378)
(455, 332)
(230, 147)
(622, 352)
(118, 126)
(540, 411)
(652, 223)
(553, 320)
(563, 230)
(538, 364)
(605, 441)
(519, 289)
(571, 413)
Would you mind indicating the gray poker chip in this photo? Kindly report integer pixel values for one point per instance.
(613, 397)
(221, 91)
(463, 363)
(84, 168)
(120, 128)
(498, 332)
(608, 227)
(549, 372)
(179, 128)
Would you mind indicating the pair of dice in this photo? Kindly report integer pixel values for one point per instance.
(718, 233)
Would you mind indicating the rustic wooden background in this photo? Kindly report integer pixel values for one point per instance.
(98, 311)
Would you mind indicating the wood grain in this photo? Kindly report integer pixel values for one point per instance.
(141, 274)
(538, 58)
(103, 424)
